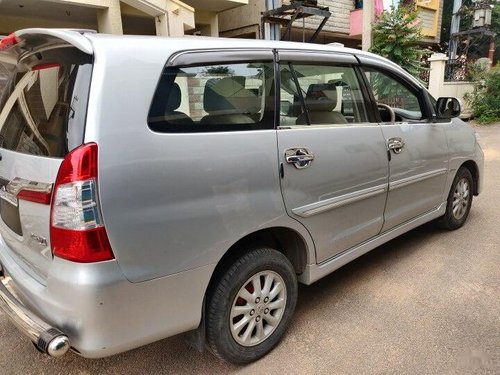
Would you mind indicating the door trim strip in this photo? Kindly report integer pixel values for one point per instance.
(339, 201)
(414, 179)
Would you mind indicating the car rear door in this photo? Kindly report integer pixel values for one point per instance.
(333, 157)
(44, 84)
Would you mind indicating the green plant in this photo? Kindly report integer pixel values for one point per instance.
(477, 69)
(217, 70)
(485, 97)
(397, 36)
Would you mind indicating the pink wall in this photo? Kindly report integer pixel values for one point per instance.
(356, 22)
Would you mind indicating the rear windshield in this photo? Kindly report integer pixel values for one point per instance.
(43, 102)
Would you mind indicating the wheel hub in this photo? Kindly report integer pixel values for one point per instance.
(258, 308)
(461, 197)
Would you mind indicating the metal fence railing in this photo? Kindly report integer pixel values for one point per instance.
(424, 75)
(456, 70)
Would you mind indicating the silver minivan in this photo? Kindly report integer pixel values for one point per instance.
(156, 186)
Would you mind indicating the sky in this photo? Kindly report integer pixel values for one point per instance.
(388, 3)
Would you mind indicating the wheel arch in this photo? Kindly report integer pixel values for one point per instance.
(286, 240)
(474, 170)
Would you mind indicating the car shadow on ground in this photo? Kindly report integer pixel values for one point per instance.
(382, 257)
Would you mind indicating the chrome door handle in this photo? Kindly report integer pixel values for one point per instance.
(396, 144)
(300, 157)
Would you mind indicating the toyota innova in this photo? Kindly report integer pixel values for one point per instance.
(155, 186)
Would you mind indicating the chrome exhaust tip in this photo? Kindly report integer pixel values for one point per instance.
(53, 342)
(58, 347)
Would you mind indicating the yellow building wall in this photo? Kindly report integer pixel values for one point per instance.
(430, 15)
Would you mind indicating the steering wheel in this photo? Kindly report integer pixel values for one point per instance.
(389, 109)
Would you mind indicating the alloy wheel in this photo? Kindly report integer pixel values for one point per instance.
(461, 197)
(258, 308)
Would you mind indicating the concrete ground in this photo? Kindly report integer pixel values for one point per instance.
(427, 302)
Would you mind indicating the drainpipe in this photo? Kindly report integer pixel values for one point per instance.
(272, 31)
(455, 28)
(491, 52)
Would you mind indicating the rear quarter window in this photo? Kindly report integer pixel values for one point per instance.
(214, 97)
(43, 108)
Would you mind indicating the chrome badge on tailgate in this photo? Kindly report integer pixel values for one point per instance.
(16, 189)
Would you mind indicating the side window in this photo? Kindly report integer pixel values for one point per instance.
(207, 98)
(320, 95)
(391, 92)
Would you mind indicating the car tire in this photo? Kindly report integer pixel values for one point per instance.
(250, 306)
(459, 201)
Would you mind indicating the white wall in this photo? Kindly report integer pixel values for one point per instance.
(439, 88)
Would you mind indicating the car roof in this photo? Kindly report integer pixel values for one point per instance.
(79, 37)
(189, 42)
(196, 42)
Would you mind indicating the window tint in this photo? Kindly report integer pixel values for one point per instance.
(43, 110)
(389, 91)
(207, 98)
(320, 95)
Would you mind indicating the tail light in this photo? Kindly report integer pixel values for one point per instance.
(8, 41)
(77, 231)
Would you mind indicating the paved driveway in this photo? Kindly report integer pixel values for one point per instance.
(427, 302)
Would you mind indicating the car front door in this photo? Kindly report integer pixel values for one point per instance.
(334, 174)
(418, 148)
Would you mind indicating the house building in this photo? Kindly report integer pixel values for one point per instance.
(347, 24)
(145, 17)
(245, 22)
(350, 22)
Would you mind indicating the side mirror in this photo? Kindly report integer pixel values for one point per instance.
(448, 107)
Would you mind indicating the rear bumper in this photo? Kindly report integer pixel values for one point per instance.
(98, 309)
(48, 340)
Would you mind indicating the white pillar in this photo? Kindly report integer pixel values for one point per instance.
(109, 19)
(175, 25)
(168, 24)
(436, 74)
(208, 22)
(368, 18)
(161, 23)
(177, 17)
(214, 25)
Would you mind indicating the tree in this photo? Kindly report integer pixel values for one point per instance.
(397, 36)
(217, 70)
